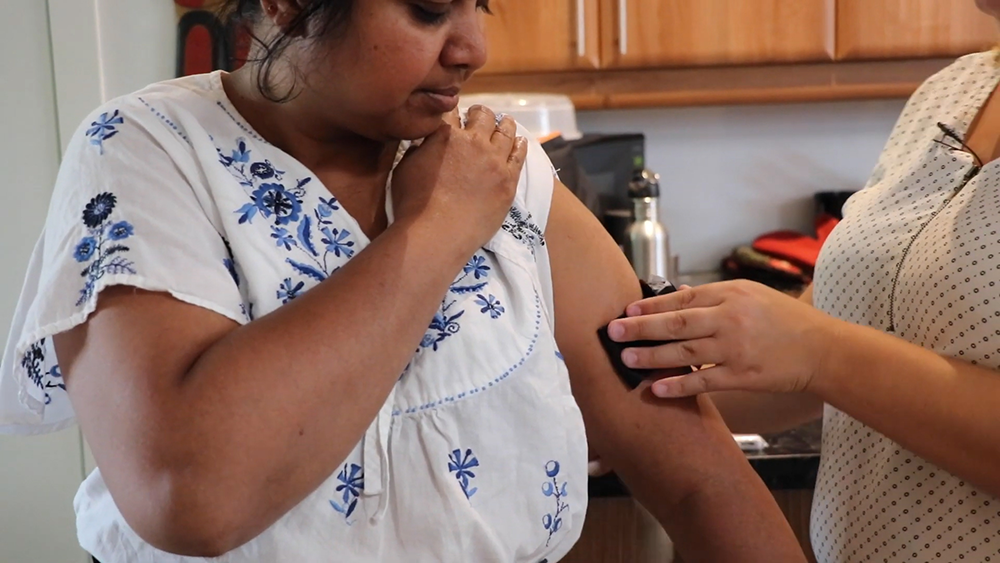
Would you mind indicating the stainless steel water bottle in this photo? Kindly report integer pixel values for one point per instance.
(647, 243)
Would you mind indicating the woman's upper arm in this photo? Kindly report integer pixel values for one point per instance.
(124, 369)
(642, 437)
(807, 296)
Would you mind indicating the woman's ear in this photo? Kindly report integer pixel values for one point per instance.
(282, 13)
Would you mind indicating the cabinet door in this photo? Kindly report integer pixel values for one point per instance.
(542, 35)
(647, 33)
(884, 29)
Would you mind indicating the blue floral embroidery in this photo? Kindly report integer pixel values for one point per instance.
(462, 467)
(85, 249)
(104, 128)
(490, 305)
(98, 210)
(33, 363)
(282, 237)
(120, 231)
(338, 242)
(293, 228)
(274, 200)
(352, 482)
(102, 245)
(240, 153)
(445, 324)
(288, 291)
(477, 267)
(552, 521)
(441, 328)
(524, 230)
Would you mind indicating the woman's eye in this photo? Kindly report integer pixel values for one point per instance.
(426, 16)
(484, 6)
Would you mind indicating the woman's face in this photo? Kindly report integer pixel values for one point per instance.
(991, 7)
(395, 68)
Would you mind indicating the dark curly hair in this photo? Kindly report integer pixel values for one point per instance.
(324, 17)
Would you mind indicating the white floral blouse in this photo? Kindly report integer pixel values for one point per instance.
(479, 452)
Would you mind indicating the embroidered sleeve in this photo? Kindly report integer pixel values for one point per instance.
(129, 208)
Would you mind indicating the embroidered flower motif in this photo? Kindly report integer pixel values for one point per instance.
(337, 242)
(282, 237)
(477, 267)
(287, 291)
(551, 521)
(85, 249)
(445, 325)
(264, 170)
(33, 363)
(102, 246)
(240, 153)
(352, 483)
(99, 209)
(294, 228)
(520, 226)
(490, 305)
(274, 199)
(121, 230)
(441, 328)
(462, 466)
(326, 208)
(104, 128)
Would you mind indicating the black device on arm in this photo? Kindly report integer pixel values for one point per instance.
(634, 377)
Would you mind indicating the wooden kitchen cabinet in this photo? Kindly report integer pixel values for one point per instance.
(892, 29)
(542, 35)
(659, 33)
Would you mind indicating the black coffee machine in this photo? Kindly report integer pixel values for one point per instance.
(598, 168)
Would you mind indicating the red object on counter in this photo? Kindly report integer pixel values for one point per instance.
(797, 247)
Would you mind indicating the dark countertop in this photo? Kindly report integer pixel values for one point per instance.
(790, 461)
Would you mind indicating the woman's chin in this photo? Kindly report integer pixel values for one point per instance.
(417, 128)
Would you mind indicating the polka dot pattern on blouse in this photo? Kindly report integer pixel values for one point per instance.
(924, 217)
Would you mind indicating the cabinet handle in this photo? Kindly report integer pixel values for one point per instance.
(623, 27)
(581, 29)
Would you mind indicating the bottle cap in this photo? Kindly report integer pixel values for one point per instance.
(645, 183)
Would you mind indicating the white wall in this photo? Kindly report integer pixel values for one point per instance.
(38, 476)
(730, 174)
(102, 49)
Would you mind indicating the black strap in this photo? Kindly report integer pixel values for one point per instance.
(634, 377)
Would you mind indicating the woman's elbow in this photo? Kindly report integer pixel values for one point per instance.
(179, 516)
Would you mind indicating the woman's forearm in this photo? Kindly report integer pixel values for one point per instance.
(762, 413)
(747, 412)
(942, 409)
(700, 486)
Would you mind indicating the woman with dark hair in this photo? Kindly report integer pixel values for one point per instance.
(290, 334)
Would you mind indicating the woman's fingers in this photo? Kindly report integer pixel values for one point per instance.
(453, 118)
(677, 325)
(505, 133)
(481, 121)
(701, 296)
(674, 355)
(708, 380)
